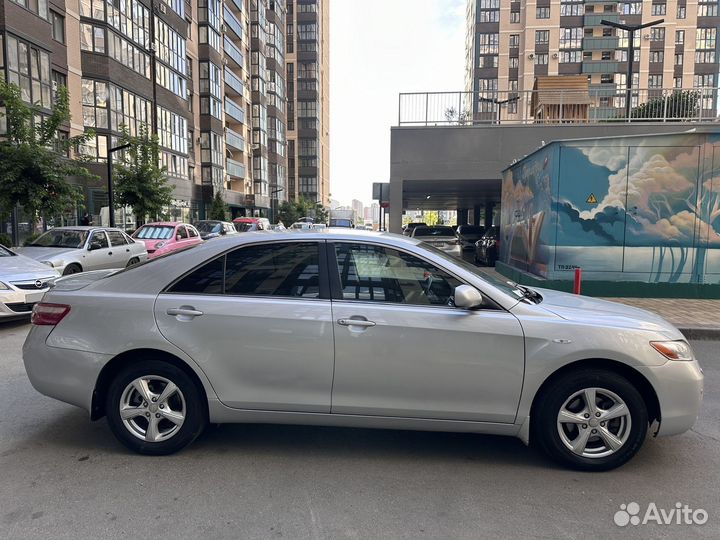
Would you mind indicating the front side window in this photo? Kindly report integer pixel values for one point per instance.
(381, 274)
(99, 240)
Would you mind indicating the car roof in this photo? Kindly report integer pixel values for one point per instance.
(164, 223)
(84, 228)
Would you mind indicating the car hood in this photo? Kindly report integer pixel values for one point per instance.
(583, 309)
(22, 268)
(44, 253)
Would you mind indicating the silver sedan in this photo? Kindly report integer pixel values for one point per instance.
(350, 328)
(23, 282)
(78, 249)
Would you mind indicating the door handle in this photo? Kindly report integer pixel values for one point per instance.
(355, 322)
(109, 252)
(186, 311)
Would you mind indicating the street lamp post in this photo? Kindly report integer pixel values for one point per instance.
(111, 202)
(273, 202)
(630, 29)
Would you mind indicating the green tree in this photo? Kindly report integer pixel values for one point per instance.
(290, 211)
(219, 208)
(34, 166)
(681, 104)
(139, 180)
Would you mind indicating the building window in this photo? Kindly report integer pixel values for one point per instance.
(58, 80)
(541, 59)
(704, 57)
(657, 34)
(514, 62)
(542, 37)
(92, 38)
(705, 38)
(489, 43)
(211, 148)
(631, 8)
(29, 68)
(708, 9)
(570, 57)
(679, 37)
(128, 54)
(58, 26)
(514, 41)
(657, 57)
(655, 81)
(107, 106)
(210, 84)
(307, 32)
(658, 9)
(681, 12)
(571, 8)
(677, 82)
(678, 59)
(489, 15)
(172, 130)
(571, 38)
(542, 13)
(171, 52)
(38, 7)
(514, 17)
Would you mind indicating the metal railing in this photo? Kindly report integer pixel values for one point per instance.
(602, 103)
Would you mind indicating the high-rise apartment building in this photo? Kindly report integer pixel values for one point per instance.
(308, 90)
(208, 76)
(509, 43)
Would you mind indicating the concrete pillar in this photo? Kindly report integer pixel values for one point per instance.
(462, 216)
(489, 214)
(477, 210)
(394, 224)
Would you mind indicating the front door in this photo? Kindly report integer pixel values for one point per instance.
(257, 324)
(100, 254)
(402, 349)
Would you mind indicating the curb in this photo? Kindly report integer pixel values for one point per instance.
(701, 333)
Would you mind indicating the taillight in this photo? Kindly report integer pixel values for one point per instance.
(48, 314)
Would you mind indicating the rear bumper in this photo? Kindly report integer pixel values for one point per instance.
(64, 374)
(679, 387)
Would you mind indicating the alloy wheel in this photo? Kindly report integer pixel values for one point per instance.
(594, 423)
(152, 408)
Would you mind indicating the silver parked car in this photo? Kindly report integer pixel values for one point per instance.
(351, 328)
(439, 236)
(78, 249)
(23, 282)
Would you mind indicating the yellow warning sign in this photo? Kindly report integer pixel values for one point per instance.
(592, 199)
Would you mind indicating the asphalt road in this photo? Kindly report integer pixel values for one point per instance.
(62, 476)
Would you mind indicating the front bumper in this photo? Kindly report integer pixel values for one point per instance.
(64, 374)
(16, 302)
(679, 388)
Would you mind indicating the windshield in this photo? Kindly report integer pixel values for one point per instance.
(5, 252)
(433, 231)
(506, 286)
(61, 238)
(209, 226)
(245, 226)
(341, 223)
(154, 232)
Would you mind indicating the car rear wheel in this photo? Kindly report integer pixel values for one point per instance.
(72, 269)
(592, 420)
(155, 408)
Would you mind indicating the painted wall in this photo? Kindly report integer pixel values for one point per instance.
(622, 209)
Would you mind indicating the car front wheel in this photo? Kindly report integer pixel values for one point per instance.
(155, 408)
(592, 420)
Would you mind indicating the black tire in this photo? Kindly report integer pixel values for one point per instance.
(195, 413)
(73, 268)
(545, 432)
(132, 261)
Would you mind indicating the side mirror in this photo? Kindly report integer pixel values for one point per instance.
(467, 297)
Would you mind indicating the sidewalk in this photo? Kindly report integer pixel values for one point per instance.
(697, 319)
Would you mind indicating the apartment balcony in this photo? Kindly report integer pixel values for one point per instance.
(234, 111)
(600, 66)
(236, 5)
(232, 22)
(234, 83)
(594, 19)
(234, 140)
(600, 43)
(232, 52)
(235, 168)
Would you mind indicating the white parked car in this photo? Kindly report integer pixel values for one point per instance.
(78, 249)
(23, 282)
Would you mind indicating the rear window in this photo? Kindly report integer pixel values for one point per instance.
(154, 232)
(471, 229)
(433, 231)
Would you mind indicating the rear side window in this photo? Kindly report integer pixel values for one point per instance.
(282, 269)
(182, 232)
(117, 238)
(191, 230)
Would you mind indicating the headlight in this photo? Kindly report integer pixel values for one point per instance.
(4, 287)
(674, 350)
(53, 264)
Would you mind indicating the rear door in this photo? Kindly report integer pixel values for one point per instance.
(121, 253)
(258, 322)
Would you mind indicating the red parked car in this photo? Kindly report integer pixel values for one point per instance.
(166, 236)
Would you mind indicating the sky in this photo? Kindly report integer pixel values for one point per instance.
(378, 49)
